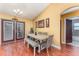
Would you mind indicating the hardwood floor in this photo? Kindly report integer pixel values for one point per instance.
(20, 49)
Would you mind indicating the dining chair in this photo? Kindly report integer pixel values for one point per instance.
(49, 42)
(42, 33)
(46, 43)
(33, 43)
(39, 32)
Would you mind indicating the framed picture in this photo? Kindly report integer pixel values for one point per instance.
(47, 22)
(41, 24)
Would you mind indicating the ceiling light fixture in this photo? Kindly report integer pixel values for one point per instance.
(14, 11)
(21, 12)
(18, 11)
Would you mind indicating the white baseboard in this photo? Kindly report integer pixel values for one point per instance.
(69, 43)
(55, 46)
(63, 42)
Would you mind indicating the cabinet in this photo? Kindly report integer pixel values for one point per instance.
(20, 29)
(7, 30)
(11, 30)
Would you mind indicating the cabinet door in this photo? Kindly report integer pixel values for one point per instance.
(20, 30)
(7, 30)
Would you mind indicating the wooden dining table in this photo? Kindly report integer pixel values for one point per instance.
(39, 37)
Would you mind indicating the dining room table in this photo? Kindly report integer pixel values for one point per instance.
(40, 38)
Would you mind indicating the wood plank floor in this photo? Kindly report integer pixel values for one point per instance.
(20, 49)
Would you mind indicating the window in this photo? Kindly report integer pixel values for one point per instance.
(76, 26)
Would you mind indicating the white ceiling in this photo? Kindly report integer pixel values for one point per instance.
(30, 10)
(72, 9)
(73, 18)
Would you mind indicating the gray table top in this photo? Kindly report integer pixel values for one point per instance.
(38, 36)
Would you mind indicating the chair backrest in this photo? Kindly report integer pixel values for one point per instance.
(43, 33)
(49, 41)
(39, 32)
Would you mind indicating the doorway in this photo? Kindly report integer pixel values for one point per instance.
(71, 31)
(68, 31)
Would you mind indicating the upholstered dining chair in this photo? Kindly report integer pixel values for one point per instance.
(46, 44)
(49, 42)
(33, 43)
(42, 33)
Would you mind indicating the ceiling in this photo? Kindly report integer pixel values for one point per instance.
(30, 10)
(72, 9)
(73, 18)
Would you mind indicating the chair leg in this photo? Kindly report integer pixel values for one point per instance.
(28, 45)
(34, 50)
(47, 51)
(24, 42)
(39, 49)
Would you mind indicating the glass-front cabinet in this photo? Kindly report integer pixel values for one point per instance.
(20, 29)
(12, 30)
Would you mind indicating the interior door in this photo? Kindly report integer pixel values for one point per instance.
(7, 30)
(20, 30)
(68, 31)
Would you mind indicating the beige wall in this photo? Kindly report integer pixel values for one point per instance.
(28, 22)
(53, 11)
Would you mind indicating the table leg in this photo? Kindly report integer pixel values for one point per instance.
(24, 41)
(28, 45)
(34, 50)
(39, 49)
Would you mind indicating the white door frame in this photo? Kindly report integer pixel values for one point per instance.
(64, 41)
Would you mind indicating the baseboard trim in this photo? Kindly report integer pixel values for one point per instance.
(69, 43)
(63, 42)
(55, 46)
